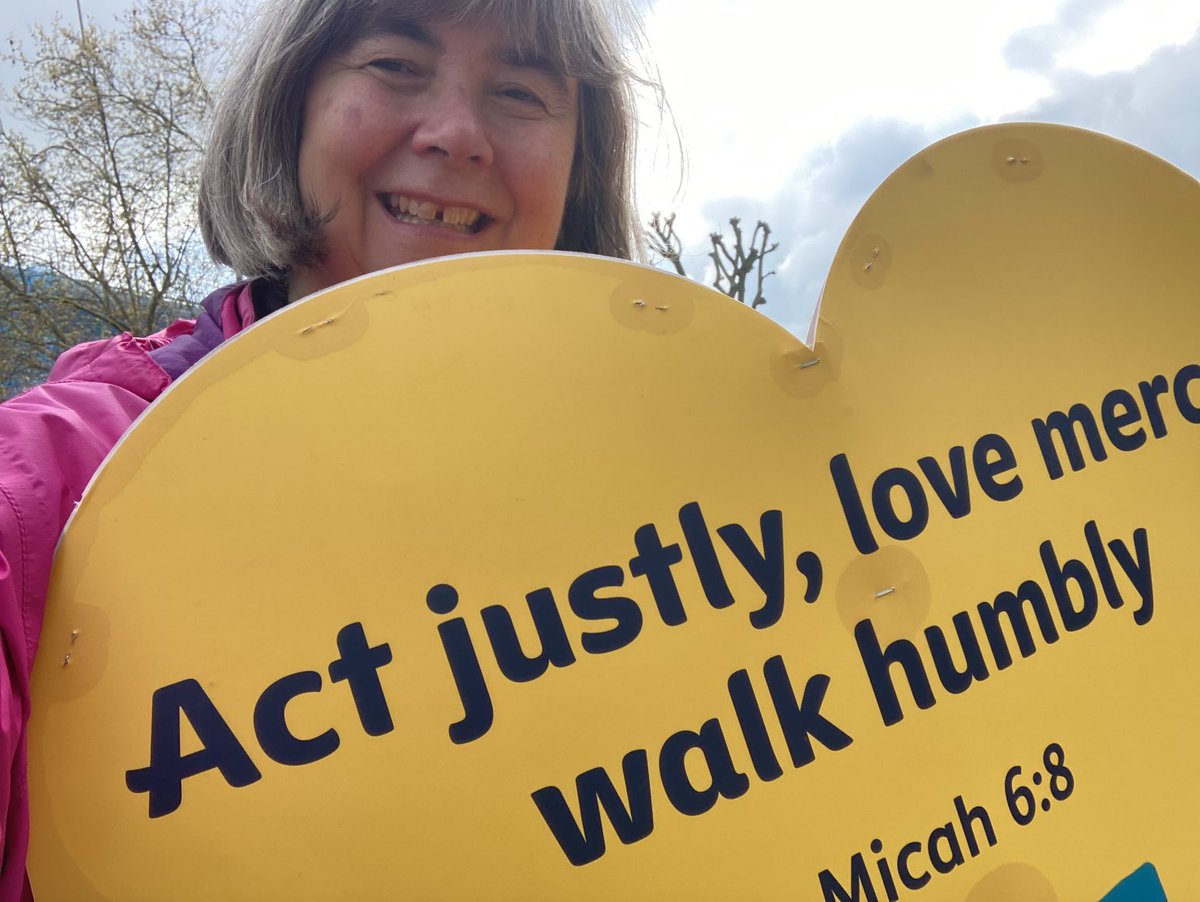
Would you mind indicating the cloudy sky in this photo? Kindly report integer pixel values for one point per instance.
(797, 122)
(794, 113)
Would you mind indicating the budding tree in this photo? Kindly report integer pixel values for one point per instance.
(100, 143)
(732, 268)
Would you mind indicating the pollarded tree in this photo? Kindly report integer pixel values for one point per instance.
(99, 155)
(732, 268)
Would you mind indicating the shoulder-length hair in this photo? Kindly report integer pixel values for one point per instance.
(252, 214)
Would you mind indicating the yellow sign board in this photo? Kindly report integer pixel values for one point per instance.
(537, 576)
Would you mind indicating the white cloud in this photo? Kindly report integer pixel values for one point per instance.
(795, 115)
(1125, 37)
(756, 83)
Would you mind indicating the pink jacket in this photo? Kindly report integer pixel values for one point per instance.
(52, 439)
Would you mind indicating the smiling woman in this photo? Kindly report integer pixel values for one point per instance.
(440, 139)
(351, 127)
(353, 135)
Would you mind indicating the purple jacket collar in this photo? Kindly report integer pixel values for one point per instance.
(222, 315)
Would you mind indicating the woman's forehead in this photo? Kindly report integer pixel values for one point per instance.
(524, 35)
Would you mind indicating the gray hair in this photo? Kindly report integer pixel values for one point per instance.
(252, 214)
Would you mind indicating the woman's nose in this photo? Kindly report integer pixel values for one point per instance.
(453, 126)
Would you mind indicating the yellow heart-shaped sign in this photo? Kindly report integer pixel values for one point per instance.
(537, 576)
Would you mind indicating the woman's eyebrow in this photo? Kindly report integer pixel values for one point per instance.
(411, 30)
(507, 56)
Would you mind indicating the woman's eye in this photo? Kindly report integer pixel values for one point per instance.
(523, 96)
(395, 66)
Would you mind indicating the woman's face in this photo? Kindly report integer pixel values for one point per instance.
(441, 140)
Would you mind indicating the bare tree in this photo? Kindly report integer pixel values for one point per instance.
(732, 268)
(665, 241)
(100, 144)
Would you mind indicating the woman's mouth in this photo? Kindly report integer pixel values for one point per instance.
(423, 212)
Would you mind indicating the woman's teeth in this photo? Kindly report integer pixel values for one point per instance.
(460, 219)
